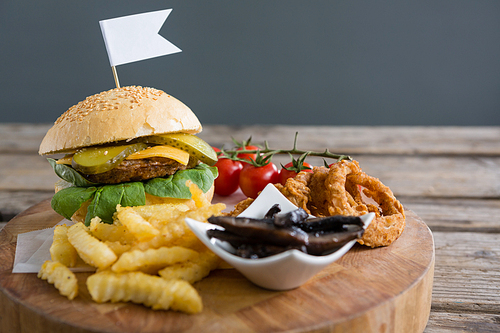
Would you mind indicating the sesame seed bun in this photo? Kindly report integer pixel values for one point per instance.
(118, 114)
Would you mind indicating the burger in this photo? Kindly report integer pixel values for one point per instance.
(128, 146)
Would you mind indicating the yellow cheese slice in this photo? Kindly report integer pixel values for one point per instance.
(175, 154)
(65, 160)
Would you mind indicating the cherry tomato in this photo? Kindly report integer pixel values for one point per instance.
(247, 156)
(253, 179)
(229, 175)
(285, 174)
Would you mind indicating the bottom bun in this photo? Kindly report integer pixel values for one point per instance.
(81, 213)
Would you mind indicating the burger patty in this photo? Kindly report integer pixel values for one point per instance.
(137, 170)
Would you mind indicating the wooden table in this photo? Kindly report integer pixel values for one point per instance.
(448, 176)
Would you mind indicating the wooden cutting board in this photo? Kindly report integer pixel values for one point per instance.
(371, 290)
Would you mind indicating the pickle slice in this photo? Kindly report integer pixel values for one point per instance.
(101, 159)
(196, 147)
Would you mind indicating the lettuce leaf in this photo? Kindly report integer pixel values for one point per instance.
(69, 174)
(67, 201)
(107, 197)
(133, 194)
(175, 186)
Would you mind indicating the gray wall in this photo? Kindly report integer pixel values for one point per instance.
(343, 62)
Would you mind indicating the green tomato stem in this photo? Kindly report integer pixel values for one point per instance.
(265, 154)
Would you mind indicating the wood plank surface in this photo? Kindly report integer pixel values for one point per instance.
(457, 215)
(453, 322)
(449, 176)
(380, 140)
(401, 140)
(384, 289)
(463, 259)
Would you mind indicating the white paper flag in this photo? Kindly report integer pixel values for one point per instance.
(135, 37)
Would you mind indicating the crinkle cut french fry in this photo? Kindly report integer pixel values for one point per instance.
(189, 240)
(90, 249)
(160, 212)
(63, 279)
(152, 260)
(110, 232)
(179, 232)
(61, 249)
(203, 213)
(192, 271)
(142, 288)
(177, 228)
(117, 247)
(136, 224)
(169, 233)
(186, 297)
(176, 232)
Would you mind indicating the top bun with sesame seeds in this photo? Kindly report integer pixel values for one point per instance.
(119, 114)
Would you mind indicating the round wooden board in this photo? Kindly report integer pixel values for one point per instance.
(371, 290)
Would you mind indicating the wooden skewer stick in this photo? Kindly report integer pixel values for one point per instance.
(115, 74)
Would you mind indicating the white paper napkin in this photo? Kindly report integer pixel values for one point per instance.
(33, 249)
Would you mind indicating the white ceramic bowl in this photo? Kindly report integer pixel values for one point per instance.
(283, 271)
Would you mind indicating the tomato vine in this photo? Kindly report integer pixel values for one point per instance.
(264, 155)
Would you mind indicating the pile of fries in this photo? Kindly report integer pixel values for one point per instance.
(147, 256)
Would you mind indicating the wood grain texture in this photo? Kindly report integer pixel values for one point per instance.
(377, 290)
(380, 140)
(26, 172)
(22, 138)
(401, 140)
(14, 202)
(456, 215)
(464, 259)
(446, 322)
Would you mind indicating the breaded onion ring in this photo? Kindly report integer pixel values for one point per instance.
(336, 191)
(297, 190)
(390, 220)
(240, 207)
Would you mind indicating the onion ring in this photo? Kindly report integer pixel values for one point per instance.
(336, 191)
